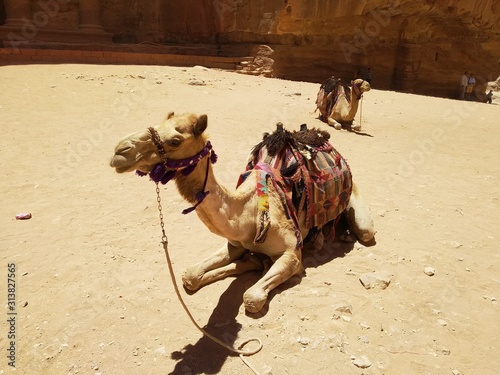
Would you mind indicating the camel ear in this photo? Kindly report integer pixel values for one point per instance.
(170, 115)
(201, 124)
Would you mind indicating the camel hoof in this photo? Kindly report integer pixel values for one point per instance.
(356, 127)
(337, 126)
(254, 301)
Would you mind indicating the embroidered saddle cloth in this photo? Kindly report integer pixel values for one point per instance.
(316, 179)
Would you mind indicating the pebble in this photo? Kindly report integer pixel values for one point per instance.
(303, 340)
(197, 82)
(161, 350)
(364, 325)
(429, 271)
(362, 362)
(446, 351)
(455, 372)
(442, 322)
(454, 244)
(375, 279)
(492, 299)
(364, 339)
(343, 307)
(349, 272)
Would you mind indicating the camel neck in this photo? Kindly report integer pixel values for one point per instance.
(219, 204)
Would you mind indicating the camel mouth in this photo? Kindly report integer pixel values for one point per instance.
(120, 164)
(123, 169)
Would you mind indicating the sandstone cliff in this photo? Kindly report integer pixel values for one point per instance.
(411, 45)
(419, 46)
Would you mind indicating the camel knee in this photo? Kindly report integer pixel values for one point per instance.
(254, 299)
(191, 278)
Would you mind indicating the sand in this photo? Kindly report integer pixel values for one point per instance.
(93, 292)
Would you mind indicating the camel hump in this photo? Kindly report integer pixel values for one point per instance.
(329, 93)
(332, 83)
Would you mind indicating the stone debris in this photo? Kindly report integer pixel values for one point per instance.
(343, 307)
(446, 351)
(455, 372)
(365, 339)
(196, 82)
(376, 280)
(350, 272)
(454, 244)
(364, 325)
(429, 271)
(442, 322)
(492, 299)
(161, 350)
(303, 340)
(362, 362)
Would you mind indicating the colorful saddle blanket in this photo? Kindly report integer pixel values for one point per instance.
(316, 179)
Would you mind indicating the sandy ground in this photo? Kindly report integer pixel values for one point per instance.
(93, 293)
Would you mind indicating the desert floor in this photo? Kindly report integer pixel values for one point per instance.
(93, 292)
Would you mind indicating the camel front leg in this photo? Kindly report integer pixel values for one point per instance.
(282, 269)
(194, 277)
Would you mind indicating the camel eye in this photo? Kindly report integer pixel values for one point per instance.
(123, 150)
(174, 142)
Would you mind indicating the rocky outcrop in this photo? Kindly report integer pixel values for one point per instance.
(260, 63)
(411, 46)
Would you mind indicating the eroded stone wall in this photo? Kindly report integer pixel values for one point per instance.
(419, 46)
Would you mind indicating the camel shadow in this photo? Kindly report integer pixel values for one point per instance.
(312, 258)
(357, 132)
(207, 356)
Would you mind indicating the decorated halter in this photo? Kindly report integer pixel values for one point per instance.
(167, 169)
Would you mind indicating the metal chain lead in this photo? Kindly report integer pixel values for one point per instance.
(164, 238)
(239, 350)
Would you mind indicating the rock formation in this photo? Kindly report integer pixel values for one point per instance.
(411, 46)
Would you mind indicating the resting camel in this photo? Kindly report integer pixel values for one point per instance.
(262, 216)
(338, 103)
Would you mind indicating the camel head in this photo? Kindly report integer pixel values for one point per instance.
(361, 85)
(180, 135)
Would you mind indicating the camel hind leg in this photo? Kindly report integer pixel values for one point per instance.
(359, 217)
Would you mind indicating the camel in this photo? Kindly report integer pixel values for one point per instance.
(263, 233)
(338, 103)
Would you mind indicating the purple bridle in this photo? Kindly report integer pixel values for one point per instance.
(167, 169)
